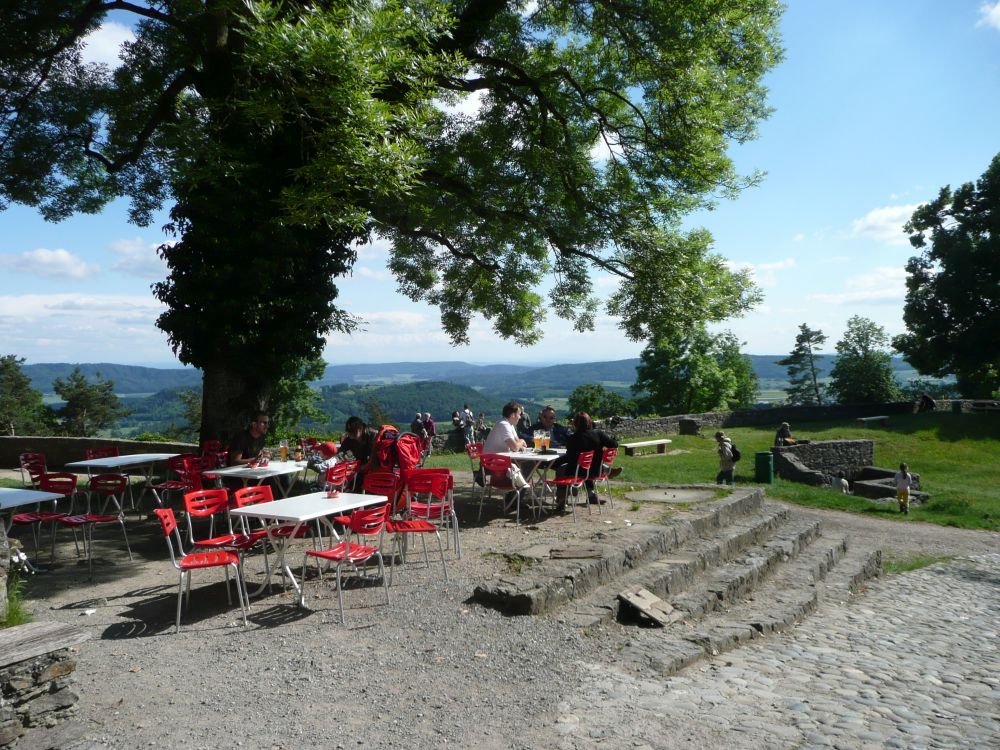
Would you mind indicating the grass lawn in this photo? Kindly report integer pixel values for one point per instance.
(956, 456)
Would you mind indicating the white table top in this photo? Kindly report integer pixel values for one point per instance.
(121, 462)
(273, 469)
(530, 455)
(309, 507)
(12, 497)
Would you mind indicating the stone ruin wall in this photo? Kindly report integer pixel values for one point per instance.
(813, 463)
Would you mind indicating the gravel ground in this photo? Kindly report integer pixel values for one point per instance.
(428, 670)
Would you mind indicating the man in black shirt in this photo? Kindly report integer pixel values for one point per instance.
(246, 446)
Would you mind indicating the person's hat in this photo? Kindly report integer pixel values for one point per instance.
(719, 435)
(327, 449)
(785, 424)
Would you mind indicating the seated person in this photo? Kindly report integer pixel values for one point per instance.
(246, 446)
(784, 435)
(584, 438)
(523, 427)
(503, 437)
(558, 433)
(358, 440)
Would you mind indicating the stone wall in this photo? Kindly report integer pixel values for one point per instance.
(36, 663)
(61, 450)
(813, 463)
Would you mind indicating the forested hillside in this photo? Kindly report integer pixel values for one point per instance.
(127, 378)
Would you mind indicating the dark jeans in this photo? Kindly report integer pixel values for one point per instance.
(726, 476)
(567, 471)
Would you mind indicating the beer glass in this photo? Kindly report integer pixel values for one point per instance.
(283, 447)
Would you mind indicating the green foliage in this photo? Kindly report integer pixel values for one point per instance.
(21, 409)
(912, 390)
(287, 132)
(600, 403)
(913, 562)
(17, 612)
(862, 373)
(89, 407)
(952, 310)
(694, 372)
(804, 388)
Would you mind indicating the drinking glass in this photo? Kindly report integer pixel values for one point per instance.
(546, 440)
(538, 440)
(283, 447)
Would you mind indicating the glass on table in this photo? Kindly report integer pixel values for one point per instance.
(546, 440)
(538, 440)
(283, 448)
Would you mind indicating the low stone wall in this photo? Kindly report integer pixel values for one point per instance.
(61, 450)
(813, 463)
(36, 662)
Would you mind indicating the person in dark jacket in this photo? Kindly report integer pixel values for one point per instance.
(558, 433)
(584, 438)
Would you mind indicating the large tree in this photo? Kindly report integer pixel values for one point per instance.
(284, 133)
(952, 310)
(89, 407)
(862, 372)
(22, 411)
(692, 373)
(804, 387)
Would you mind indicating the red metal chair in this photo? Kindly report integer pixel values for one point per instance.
(474, 451)
(60, 483)
(175, 466)
(434, 486)
(185, 563)
(112, 487)
(364, 523)
(209, 504)
(573, 483)
(431, 505)
(337, 476)
(101, 451)
(215, 454)
(608, 456)
(32, 464)
(496, 470)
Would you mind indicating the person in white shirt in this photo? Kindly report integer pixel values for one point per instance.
(503, 437)
(840, 483)
(904, 481)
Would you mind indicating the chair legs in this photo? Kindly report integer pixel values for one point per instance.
(184, 593)
(340, 586)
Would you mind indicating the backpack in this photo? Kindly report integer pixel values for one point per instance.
(409, 451)
(736, 452)
(384, 455)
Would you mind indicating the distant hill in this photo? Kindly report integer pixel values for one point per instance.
(127, 378)
(391, 373)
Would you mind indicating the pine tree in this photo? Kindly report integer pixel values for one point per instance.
(804, 387)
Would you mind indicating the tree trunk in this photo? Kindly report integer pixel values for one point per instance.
(228, 399)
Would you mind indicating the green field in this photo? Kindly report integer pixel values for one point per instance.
(955, 455)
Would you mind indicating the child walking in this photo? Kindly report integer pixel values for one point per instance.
(904, 481)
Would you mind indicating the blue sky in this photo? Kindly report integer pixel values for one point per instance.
(877, 106)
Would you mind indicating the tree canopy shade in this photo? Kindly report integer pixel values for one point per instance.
(862, 373)
(804, 387)
(952, 310)
(284, 133)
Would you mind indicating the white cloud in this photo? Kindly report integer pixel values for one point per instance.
(138, 258)
(103, 44)
(377, 249)
(885, 285)
(467, 105)
(885, 224)
(989, 15)
(800, 237)
(57, 264)
(365, 272)
(763, 274)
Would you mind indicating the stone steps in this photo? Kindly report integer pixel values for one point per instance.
(824, 570)
(673, 575)
(732, 570)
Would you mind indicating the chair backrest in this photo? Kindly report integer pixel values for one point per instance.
(608, 456)
(474, 451)
(369, 521)
(308, 444)
(585, 460)
(108, 484)
(337, 475)
(211, 446)
(34, 465)
(493, 463)
(101, 451)
(252, 495)
(176, 463)
(352, 472)
(62, 483)
(384, 483)
(192, 477)
(435, 484)
(168, 523)
(203, 503)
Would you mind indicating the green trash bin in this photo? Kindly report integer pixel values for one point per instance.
(956, 407)
(764, 467)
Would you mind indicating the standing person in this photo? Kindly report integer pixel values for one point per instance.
(470, 424)
(417, 426)
(431, 430)
(727, 463)
(904, 481)
(246, 446)
(584, 438)
(481, 429)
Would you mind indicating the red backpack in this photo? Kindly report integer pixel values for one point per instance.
(384, 455)
(409, 451)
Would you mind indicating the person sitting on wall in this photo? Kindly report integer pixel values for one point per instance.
(784, 435)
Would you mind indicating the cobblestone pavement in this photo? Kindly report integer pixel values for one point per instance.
(914, 663)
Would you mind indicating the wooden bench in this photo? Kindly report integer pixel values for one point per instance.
(865, 421)
(661, 446)
(985, 406)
